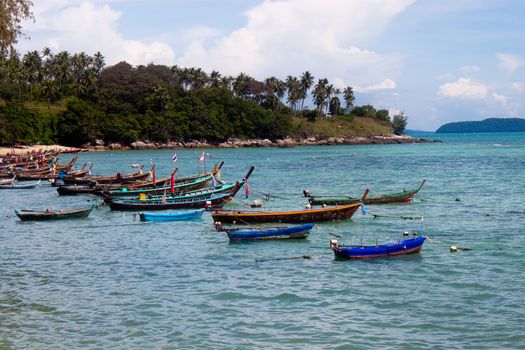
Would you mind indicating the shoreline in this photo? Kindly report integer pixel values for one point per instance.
(231, 143)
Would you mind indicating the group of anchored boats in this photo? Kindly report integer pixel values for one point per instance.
(154, 199)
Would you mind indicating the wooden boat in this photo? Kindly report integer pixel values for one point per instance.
(201, 202)
(408, 246)
(44, 215)
(187, 183)
(157, 194)
(99, 179)
(196, 184)
(16, 186)
(299, 216)
(230, 188)
(7, 181)
(72, 190)
(172, 216)
(401, 197)
(263, 233)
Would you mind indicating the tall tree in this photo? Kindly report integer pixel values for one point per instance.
(307, 81)
(348, 96)
(399, 123)
(12, 13)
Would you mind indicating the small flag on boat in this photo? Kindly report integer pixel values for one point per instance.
(246, 187)
(154, 174)
(174, 158)
(201, 158)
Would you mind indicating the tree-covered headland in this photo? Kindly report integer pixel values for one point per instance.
(74, 99)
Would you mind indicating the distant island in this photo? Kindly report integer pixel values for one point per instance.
(487, 125)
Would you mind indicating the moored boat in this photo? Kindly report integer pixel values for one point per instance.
(171, 216)
(45, 215)
(201, 202)
(263, 233)
(16, 186)
(300, 216)
(408, 246)
(400, 197)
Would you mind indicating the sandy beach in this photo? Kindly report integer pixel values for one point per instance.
(38, 148)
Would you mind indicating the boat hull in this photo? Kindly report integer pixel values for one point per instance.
(401, 197)
(302, 216)
(294, 232)
(27, 215)
(409, 246)
(175, 216)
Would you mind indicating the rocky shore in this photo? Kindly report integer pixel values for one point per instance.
(231, 143)
(239, 143)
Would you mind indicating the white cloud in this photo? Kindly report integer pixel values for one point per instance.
(509, 62)
(386, 84)
(500, 98)
(518, 86)
(89, 27)
(463, 88)
(291, 36)
(469, 69)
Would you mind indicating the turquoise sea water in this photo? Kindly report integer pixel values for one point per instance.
(110, 281)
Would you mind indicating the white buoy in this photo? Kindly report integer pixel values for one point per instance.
(308, 206)
(453, 249)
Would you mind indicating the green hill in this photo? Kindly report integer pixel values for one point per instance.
(487, 125)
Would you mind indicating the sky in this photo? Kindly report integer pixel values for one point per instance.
(437, 61)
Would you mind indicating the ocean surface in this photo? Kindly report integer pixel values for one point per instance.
(113, 282)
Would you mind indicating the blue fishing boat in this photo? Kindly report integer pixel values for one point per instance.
(172, 216)
(16, 186)
(256, 233)
(408, 246)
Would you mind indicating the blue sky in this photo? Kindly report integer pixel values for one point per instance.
(438, 61)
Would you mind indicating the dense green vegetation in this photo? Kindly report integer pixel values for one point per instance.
(75, 99)
(487, 125)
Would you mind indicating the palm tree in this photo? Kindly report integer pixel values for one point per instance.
(240, 85)
(33, 66)
(348, 96)
(48, 91)
(215, 79)
(293, 87)
(307, 80)
(319, 95)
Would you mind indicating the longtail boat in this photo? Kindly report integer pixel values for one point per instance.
(72, 190)
(196, 184)
(205, 202)
(300, 216)
(408, 246)
(7, 181)
(400, 197)
(159, 193)
(45, 215)
(118, 178)
(16, 186)
(172, 216)
(264, 233)
(186, 183)
(230, 188)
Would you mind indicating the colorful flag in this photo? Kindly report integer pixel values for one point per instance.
(219, 174)
(154, 174)
(201, 158)
(246, 187)
(174, 158)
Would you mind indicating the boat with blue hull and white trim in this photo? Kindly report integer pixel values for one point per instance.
(262, 233)
(172, 216)
(404, 247)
